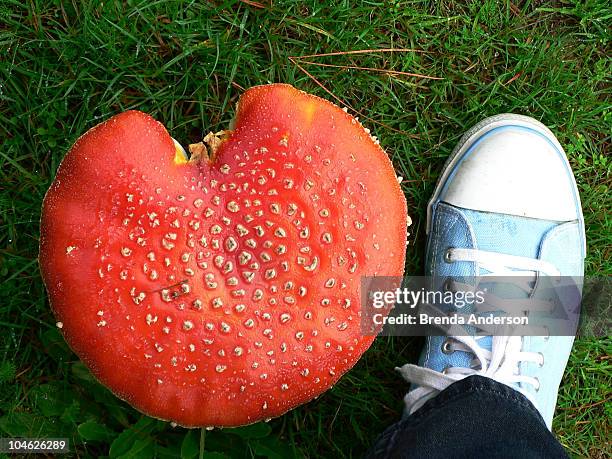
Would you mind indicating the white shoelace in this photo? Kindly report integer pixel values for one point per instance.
(501, 363)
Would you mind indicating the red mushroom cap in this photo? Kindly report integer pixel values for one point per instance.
(221, 291)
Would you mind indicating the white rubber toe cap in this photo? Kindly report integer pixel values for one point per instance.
(513, 170)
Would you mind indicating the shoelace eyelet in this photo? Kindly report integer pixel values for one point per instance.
(537, 389)
(446, 347)
(448, 256)
(541, 364)
(448, 284)
(445, 371)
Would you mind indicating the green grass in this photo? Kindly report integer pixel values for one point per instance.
(65, 66)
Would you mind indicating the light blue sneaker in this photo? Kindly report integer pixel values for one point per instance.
(506, 203)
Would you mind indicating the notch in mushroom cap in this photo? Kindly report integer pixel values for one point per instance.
(224, 291)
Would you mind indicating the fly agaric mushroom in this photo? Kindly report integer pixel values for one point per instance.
(222, 289)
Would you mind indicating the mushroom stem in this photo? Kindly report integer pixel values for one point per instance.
(202, 442)
(180, 155)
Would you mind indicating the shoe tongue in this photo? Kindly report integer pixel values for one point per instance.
(506, 234)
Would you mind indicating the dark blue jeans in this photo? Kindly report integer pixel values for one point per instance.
(472, 418)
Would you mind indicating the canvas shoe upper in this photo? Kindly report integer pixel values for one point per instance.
(506, 204)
